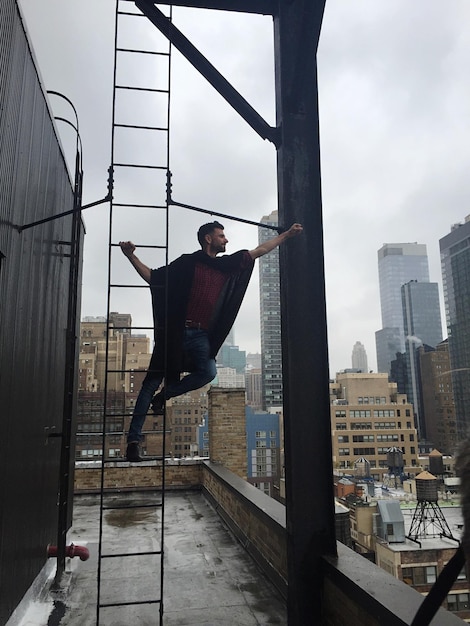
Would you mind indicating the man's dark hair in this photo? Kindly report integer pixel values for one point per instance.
(207, 229)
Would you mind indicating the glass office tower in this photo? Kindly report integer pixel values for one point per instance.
(422, 326)
(398, 264)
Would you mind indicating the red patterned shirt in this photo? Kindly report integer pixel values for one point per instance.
(205, 291)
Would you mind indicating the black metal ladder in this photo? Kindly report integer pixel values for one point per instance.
(130, 578)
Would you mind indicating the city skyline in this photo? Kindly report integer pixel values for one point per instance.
(393, 127)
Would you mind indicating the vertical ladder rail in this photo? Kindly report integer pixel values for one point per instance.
(125, 556)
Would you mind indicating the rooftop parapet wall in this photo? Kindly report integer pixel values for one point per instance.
(123, 476)
(356, 591)
(227, 429)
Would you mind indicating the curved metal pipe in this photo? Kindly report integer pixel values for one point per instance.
(70, 551)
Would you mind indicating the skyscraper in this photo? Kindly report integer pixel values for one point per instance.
(270, 313)
(438, 397)
(398, 264)
(422, 326)
(455, 263)
(359, 357)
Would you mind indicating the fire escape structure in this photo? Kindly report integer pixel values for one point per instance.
(295, 136)
(139, 179)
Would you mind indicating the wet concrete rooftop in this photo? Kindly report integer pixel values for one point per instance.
(209, 579)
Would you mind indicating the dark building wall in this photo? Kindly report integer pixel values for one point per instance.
(34, 289)
(438, 398)
(455, 261)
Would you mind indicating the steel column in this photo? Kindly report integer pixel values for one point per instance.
(307, 429)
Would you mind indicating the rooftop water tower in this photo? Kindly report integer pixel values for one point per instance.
(436, 463)
(395, 466)
(362, 467)
(428, 519)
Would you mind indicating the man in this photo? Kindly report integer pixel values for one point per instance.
(195, 301)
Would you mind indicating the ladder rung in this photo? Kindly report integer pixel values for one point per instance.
(132, 14)
(124, 554)
(148, 167)
(128, 327)
(141, 89)
(139, 206)
(110, 604)
(126, 371)
(132, 506)
(140, 127)
(131, 286)
(163, 54)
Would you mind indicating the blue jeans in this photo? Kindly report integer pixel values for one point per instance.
(197, 349)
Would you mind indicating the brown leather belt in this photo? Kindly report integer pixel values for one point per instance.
(191, 324)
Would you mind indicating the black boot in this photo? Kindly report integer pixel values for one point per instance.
(133, 453)
(158, 403)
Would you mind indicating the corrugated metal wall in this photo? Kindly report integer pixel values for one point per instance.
(34, 274)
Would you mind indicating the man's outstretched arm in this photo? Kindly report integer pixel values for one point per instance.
(128, 249)
(269, 245)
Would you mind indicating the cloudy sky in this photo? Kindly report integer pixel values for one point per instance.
(395, 123)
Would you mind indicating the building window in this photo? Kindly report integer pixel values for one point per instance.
(261, 433)
(420, 575)
(343, 452)
(385, 425)
(343, 438)
(457, 602)
(341, 426)
(363, 451)
(387, 437)
(384, 413)
(463, 574)
(361, 426)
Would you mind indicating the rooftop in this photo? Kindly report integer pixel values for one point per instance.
(209, 578)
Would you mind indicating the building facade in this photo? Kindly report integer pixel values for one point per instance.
(254, 390)
(359, 357)
(422, 326)
(455, 264)
(438, 397)
(270, 315)
(186, 417)
(263, 449)
(368, 418)
(231, 356)
(128, 359)
(398, 263)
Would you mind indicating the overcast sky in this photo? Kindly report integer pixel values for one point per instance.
(394, 118)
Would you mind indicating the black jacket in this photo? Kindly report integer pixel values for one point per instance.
(170, 313)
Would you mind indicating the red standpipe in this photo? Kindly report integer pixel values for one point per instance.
(70, 551)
